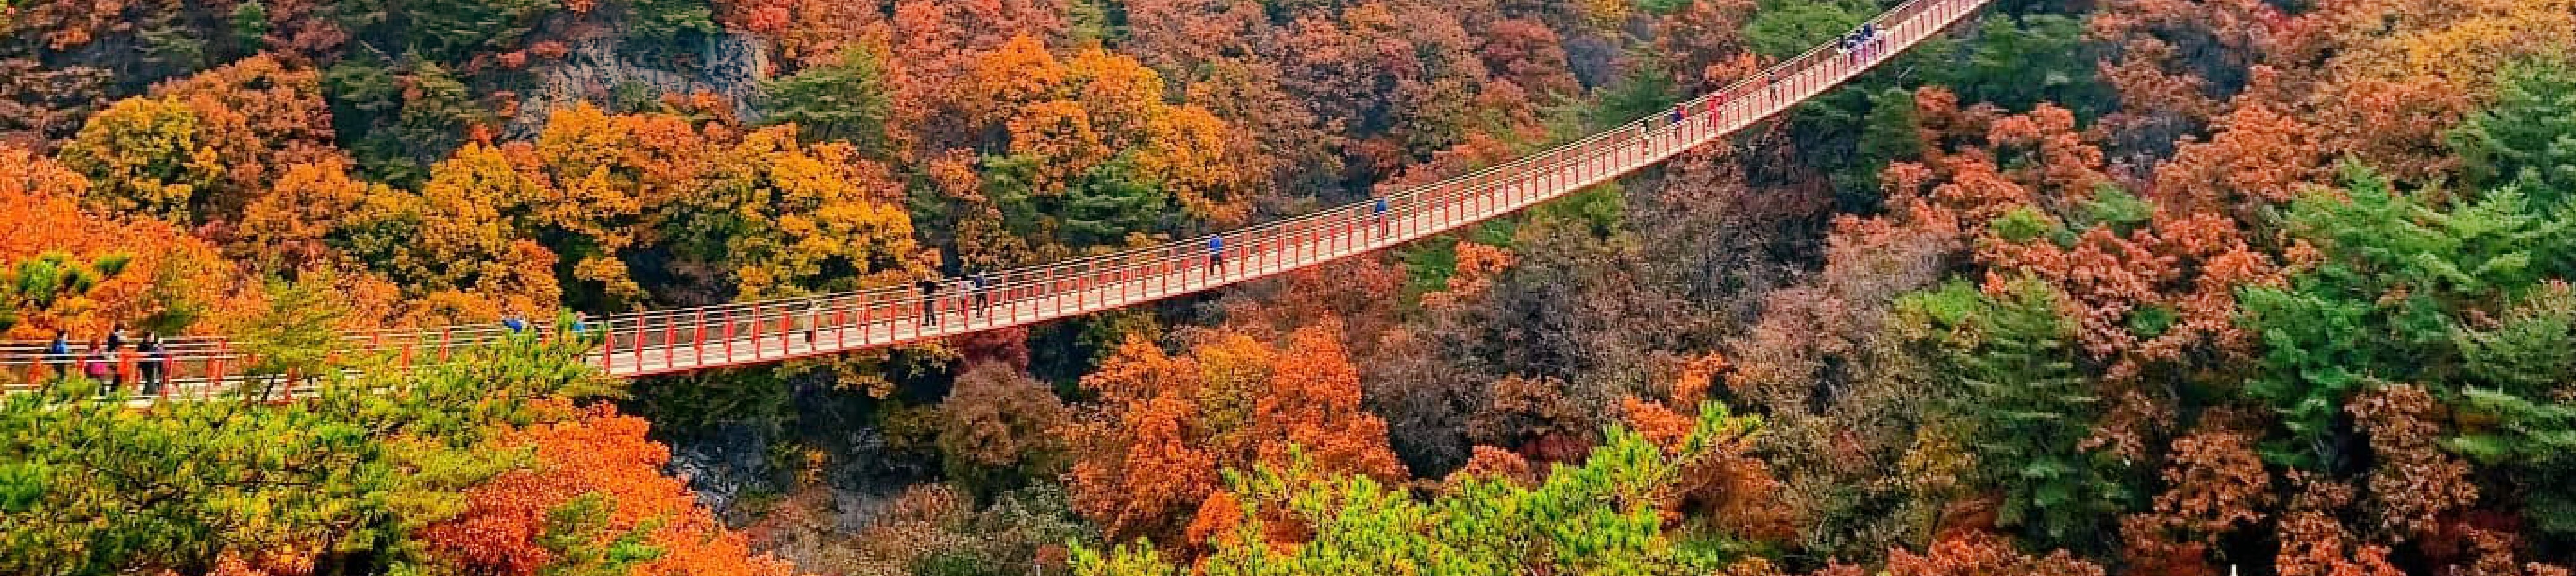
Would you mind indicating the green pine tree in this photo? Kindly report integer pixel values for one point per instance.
(2530, 132)
(2022, 407)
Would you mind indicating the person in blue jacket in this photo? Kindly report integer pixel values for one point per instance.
(59, 353)
(983, 286)
(1379, 208)
(1216, 254)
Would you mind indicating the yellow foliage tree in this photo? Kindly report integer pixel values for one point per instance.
(201, 148)
(1065, 117)
(792, 219)
(145, 156)
(2461, 42)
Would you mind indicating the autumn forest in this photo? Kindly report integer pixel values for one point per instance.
(2075, 287)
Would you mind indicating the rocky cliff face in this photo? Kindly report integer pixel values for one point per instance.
(829, 445)
(601, 68)
(725, 464)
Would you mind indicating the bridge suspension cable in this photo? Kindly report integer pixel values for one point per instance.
(771, 330)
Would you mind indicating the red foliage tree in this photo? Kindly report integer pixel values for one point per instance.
(2413, 482)
(2216, 485)
(2314, 543)
(1977, 553)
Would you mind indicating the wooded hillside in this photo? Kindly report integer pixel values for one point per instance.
(2191, 287)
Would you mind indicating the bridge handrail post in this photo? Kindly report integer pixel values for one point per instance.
(867, 325)
(223, 352)
(750, 323)
(642, 328)
(670, 342)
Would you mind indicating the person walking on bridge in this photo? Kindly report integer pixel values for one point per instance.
(983, 293)
(929, 289)
(155, 365)
(1379, 208)
(960, 292)
(813, 319)
(1216, 256)
(98, 366)
(59, 354)
(114, 354)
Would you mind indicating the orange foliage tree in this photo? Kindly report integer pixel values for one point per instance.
(594, 471)
(1170, 423)
(2413, 483)
(168, 274)
(1977, 553)
(2315, 543)
(2215, 486)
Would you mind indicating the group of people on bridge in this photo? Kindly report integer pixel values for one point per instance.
(973, 290)
(107, 360)
(517, 323)
(1861, 43)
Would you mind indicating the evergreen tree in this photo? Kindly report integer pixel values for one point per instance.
(2022, 408)
(848, 101)
(2018, 63)
(2530, 132)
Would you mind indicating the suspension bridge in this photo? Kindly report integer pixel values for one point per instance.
(765, 331)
